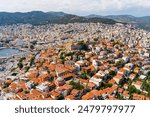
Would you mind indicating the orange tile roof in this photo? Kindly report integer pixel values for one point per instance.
(85, 97)
(70, 97)
(8, 81)
(90, 95)
(32, 75)
(54, 93)
(139, 97)
(38, 98)
(22, 85)
(100, 92)
(75, 92)
(13, 86)
(102, 67)
(46, 64)
(112, 81)
(121, 70)
(95, 93)
(67, 87)
(126, 93)
(120, 90)
(126, 85)
(49, 98)
(62, 69)
(91, 84)
(132, 75)
(83, 80)
(34, 94)
(21, 96)
(107, 90)
(45, 94)
(114, 87)
(118, 76)
(44, 55)
(52, 67)
(67, 75)
(35, 80)
(5, 90)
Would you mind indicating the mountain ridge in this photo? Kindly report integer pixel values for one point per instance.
(52, 17)
(39, 17)
(142, 22)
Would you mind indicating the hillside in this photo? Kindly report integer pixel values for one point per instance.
(141, 22)
(38, 18)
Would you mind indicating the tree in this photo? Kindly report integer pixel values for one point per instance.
(111, 74)
(6, 85)
(32, 47)
(146, 86)
(148, 76)
(96, 39)
(27, 68)
(14, 74)
(84, 75)
(20, 65)
(132, 90)
(76, 85)
(62, 56)
(83, 45)
(21, 59)
(70, 54)
(32, 60)
(119, 64)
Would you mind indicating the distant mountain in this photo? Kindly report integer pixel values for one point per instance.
(123, 18)
(141, 22)
(39, 18)
(53, 13)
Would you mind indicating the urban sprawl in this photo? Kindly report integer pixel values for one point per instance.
(75, 61)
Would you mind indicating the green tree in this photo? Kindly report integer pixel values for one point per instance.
(83, 45)
(76, 85)
(146, 86)
(119, 64)
(32, 60)
(84, 75)
(132, 90)
(20, 65)
(96, 39)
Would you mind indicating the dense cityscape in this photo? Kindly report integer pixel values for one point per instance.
(75, 61)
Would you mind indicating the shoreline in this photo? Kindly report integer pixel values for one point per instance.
(21, 52)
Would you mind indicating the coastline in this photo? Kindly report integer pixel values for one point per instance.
(21, 52)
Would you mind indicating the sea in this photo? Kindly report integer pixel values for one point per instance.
(8, 52)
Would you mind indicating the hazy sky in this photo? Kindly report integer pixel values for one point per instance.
(80, 7)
